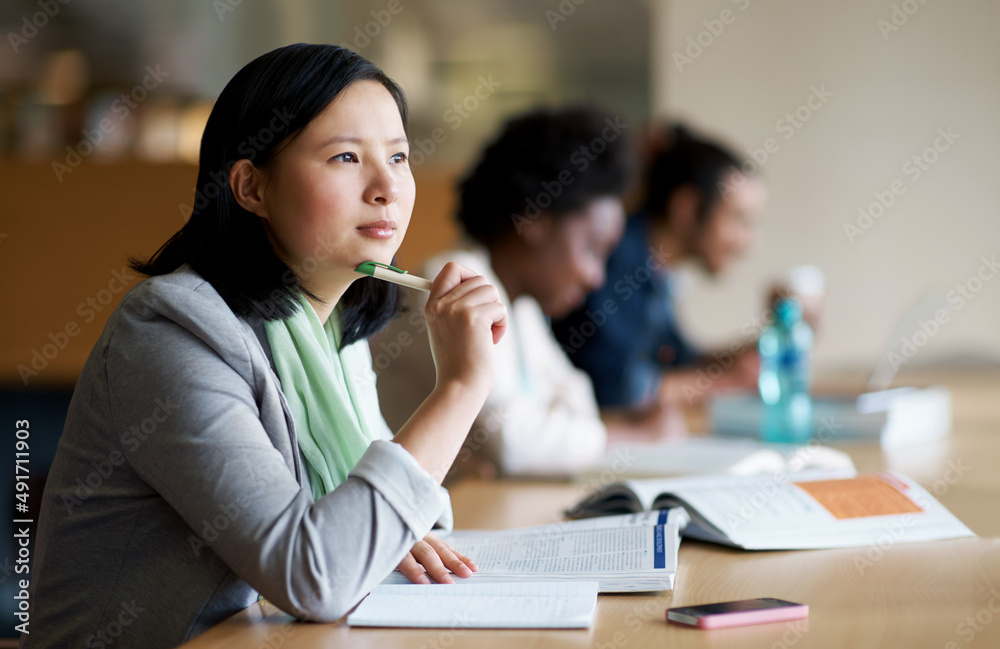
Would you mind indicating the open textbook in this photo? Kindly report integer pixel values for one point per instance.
(636, 552)
(776, 512)
(533, 605)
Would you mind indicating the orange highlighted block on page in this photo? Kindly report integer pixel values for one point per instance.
(860, 497)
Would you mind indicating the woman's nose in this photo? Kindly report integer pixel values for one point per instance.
(596, 277)
(382, 189)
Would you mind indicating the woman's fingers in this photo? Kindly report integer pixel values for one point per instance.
(433, 559)
(463, 308)
(428, 557)
(412, 570)
(468, 285)
(459, 564)
(451, 275)
(498, 314)
(457, 287)
(458, 282)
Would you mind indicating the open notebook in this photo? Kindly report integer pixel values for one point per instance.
(531, 605)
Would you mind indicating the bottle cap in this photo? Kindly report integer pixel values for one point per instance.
(788, 310)
(807, 281)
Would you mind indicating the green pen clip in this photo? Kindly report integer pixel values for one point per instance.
(393, 275)
(368, 268)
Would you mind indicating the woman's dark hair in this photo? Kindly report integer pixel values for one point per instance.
(271, 98)
(687, 160)
(551, 160)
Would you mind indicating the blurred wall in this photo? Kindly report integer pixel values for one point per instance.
(63, 258)
(895, 75)
(65, 234)
(735, 74)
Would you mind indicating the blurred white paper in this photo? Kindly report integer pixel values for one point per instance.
(535, 605)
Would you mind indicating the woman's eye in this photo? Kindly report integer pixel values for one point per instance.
(399, 158)
(345, 157)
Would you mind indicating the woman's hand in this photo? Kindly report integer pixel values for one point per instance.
(690, 387)
(651, 424)
(464, 320)
(435, 559)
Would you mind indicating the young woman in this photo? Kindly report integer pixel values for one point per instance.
(540, 210)
(223, 439)
(700, 208)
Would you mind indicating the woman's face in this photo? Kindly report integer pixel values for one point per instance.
(340, 192)
(570, 261)
(729, 228)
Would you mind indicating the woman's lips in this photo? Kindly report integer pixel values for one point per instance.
(378, 229)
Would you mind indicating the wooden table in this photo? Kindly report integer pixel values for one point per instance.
(943, 594)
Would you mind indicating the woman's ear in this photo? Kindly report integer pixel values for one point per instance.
(682, 210)
(247, 184)
(535, 231)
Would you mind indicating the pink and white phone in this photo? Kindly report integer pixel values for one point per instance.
(742, 613)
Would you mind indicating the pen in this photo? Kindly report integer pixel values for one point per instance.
(394, 275)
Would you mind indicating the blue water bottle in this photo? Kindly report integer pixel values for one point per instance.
(785, 367)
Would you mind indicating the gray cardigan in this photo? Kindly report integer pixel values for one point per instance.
(178, 492)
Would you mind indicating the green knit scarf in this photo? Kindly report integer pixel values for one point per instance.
(327, 410)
